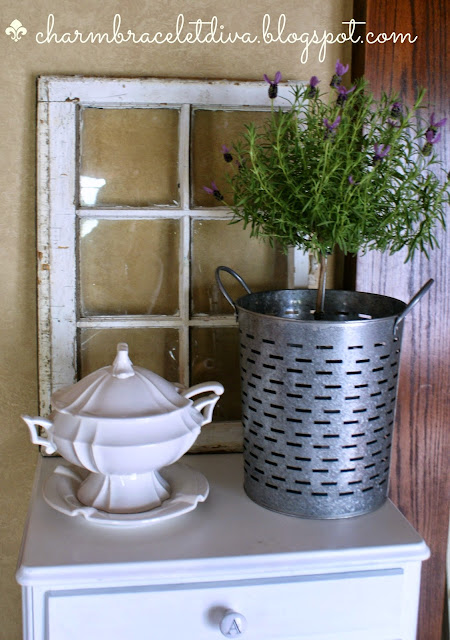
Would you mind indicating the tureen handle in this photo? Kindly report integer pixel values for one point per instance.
(33, 424)
(205, 405)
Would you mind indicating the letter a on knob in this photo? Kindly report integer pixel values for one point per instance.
(233, 624)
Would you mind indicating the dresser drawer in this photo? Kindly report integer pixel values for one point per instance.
(349, 606)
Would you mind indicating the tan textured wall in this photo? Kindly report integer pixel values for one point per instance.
(20, 63)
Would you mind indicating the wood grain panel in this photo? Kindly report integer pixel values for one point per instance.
(420, 478)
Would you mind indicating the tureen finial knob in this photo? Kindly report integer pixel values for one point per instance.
(122, 365)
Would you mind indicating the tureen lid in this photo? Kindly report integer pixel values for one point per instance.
(120, 390)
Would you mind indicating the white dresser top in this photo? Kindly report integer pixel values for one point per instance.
(224, 537)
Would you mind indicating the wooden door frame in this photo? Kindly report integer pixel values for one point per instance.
(420, 479)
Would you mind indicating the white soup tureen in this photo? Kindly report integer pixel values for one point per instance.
(123, 423)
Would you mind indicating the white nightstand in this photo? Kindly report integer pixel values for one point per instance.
(283, 577)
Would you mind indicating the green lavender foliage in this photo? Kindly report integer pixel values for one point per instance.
(304, 186)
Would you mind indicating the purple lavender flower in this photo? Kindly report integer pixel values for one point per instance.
(340, 68)
(339, 71)
(214, 191)
(381, 151)
(331, 126)
(312, 89)
(431, 138)
(273, 89)
(433, 127)
(343, 94)
(352, 180)
(226, 153)
(396, 109)
(392, 123)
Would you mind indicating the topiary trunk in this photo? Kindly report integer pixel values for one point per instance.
(320, 300)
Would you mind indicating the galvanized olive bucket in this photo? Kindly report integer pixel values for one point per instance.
(318, 398)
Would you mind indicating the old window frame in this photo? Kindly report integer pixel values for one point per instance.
(60, 102)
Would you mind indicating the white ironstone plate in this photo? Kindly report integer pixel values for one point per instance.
(188, 487)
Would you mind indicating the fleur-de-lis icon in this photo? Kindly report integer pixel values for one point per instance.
(16, 30)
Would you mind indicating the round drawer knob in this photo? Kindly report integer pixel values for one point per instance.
(233, 624)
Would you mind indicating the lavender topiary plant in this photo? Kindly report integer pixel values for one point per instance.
(340, 170)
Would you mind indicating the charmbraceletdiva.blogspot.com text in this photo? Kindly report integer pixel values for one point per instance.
(213, 32)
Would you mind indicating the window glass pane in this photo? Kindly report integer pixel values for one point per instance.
(215, 356)
(216, 242)
(211, 130)
(154, 349)
(129, 266)
(129, 157)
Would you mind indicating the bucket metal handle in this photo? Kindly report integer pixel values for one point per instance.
(412, 303)
(222, 288)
